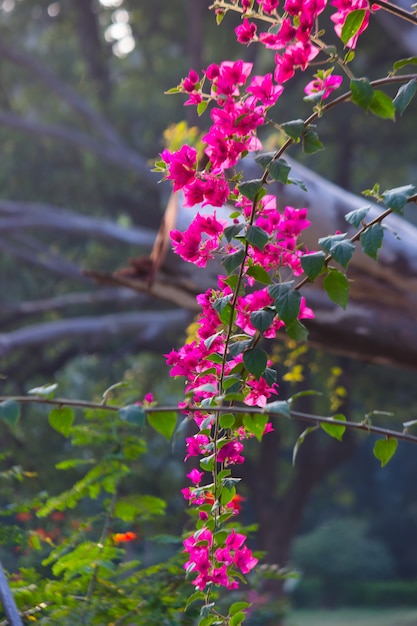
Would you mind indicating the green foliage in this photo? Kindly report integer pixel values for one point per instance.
(337, 287)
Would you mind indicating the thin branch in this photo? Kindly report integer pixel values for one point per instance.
(100, 296)
(296, 415)
(146, 325)
(396, 10)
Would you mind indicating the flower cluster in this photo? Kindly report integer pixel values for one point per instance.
(223, 363)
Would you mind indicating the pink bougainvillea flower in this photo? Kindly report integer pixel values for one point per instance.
(182, 165)
(246, 32)
(323, 85)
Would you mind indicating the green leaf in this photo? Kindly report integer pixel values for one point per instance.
(252, 189)
(257, 237)
(227, 420)
(198, 595)
(397, 198)
(236, 607)
(382, 106)
(313, 264)
(45, 391)
(371, 240)
(279, 170)
(231, 231)
(297, 331)
(384, 449)
(237, 619)
(311, 142)
(352, 25)
(294, 129)
(163, 422)
(398, 65)
(356, 217)
(339, 247)
(362, 92)
(287, 301)
(337, 287)
(301, 440)
(264, 159)
(239, 346)
(133, 414)
(232, 261)
(335, 430)
(10, 412)
(279, 407)
(255, 424)
(404, 96)
(201, 107)
(227, 495)
(258, 273)
(262, 320)
(129, 508)
(255, 361)
(61, 419)
(223, 308)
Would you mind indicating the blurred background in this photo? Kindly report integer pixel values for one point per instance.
(82, 117)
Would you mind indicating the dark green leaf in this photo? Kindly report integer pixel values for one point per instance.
(255, 424)
(252, 189)
(61, 419)
(270, 375)
(404, 96)
(232, 261)
(356, 217)
(133, 414)
(397, 198)
(257, 237)
(339, 247)
(352, 24)
(337, 287)
(371, 240)
(10, 412)
(223, 308)
(198, 595)
(313, 264)
(335, 430)
(232, 231)
(279, 407)
(163, 422)
(297, 331)
(255, 361)
(294, 129)
(382, 106)
(262, 320)
(287, 301)
(384, 449)
(279, 170)
(311, 142)
(239, 346)
(398, 65)
(362, 92)
(258, 273)
(298, 182)
(264, 159)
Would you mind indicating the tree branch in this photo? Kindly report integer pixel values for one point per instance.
(145, 325)
(111, 152)
(34, 67)
(22, 215)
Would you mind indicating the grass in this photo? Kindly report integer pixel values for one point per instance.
(353, 617)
